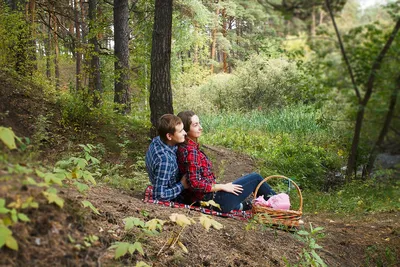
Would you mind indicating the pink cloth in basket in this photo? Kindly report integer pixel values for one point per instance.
(280, 201)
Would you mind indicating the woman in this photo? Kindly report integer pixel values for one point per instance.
(202, 182)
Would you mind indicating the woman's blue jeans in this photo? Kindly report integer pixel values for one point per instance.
(229, 201)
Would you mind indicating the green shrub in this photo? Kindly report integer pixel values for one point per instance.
(258, 83)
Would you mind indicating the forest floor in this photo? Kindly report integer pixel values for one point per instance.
(62, 237)
(368, 240)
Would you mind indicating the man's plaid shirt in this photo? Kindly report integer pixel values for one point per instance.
(163, 171)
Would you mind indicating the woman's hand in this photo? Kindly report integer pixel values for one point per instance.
(235, 189)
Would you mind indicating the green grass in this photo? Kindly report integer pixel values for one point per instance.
(298, 143)
(357, 197)
(294, 142)
(300, 120)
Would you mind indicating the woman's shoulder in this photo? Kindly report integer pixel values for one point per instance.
(184, 147)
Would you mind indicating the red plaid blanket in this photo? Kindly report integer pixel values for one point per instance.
(236, 214)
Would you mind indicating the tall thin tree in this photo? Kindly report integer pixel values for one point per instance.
(121, 51)
(369, 85)
(78, 53)
(94, 70)
(160, 81)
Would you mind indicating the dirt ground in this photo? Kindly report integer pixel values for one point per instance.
(370, 240)
(64, 237)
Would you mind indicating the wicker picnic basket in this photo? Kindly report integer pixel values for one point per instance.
(289, 218)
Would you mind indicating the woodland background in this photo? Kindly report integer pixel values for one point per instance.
(307, 89)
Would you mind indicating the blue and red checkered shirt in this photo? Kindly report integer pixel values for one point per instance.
(163, 171)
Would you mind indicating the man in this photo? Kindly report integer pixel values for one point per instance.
(161, 162)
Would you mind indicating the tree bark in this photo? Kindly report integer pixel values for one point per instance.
(78, 54)
(362, 102)
(351, 163)
(121, 52)
(214, 40)
(385, 128)
(32, 49)
(196, 46)
(160, 81)
(94, 70)
(48, 47)
(224, 53)
(321, 16)
(313, 23)
(56, 49)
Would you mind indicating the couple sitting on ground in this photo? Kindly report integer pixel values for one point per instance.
(180, 171)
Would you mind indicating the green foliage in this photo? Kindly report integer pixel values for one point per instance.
(149, 228)
(64, 172)
(258, 83)
(7, 239)
(376, 256)
(87, 242)
(309, 256)
(8, 137)
(296, 142)
(121, 248)
(356, 197)
(51, 195)
(41, 134)
(86, 203)
(126, 177)
(14, 49)
(153, 227)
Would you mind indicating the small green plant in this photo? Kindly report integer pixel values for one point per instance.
(10, 215)
(6, 238)
(87, 203)
(154, 227)
(41, 134)
(10, 140)
(149, 228)
(380, 256)
(309, 256)
(87, 242)
(8, 137)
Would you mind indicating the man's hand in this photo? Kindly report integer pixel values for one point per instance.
(185, 182)
(235, 189)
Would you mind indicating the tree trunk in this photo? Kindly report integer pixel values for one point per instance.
(160, 84)
(313, 24)
(56, 49)
(351, 163)
(121, 52)
(224, 52)
(321, 16)
(32, 49)
(214, 40)
(94, 70)
(48, 47)
(78, 54)
(84, 31)
(385, 128)
(196, 46)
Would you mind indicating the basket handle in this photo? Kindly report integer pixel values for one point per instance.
(283, 177)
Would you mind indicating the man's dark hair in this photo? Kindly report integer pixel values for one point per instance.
(167, 124)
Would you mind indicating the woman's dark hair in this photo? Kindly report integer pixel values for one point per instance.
(186, 117)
